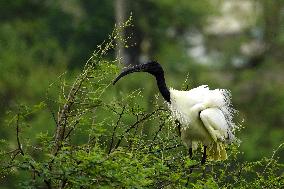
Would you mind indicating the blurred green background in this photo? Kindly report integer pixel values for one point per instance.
(237, 45)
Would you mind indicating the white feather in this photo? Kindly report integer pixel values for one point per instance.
(205, 115)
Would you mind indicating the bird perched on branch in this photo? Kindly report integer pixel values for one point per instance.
(204, 115)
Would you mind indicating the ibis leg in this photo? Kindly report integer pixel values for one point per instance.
(203, 160)
(190, 153)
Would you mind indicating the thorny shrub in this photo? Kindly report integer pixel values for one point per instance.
(103, 142)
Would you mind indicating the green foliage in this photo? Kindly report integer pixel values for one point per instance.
(122, 136)
(124, 146)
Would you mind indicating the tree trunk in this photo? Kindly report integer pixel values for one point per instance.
(120, 17)
(271, 15)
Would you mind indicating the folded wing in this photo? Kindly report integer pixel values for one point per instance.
(215, 122)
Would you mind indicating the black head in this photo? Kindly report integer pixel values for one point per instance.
(152, 67)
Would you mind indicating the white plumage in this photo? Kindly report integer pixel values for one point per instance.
(206, 118)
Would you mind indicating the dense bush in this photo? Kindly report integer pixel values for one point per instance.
(98, 141)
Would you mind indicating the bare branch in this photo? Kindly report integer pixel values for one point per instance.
(52, 112)
(72, 129)
(160, 129)
(62, 114)
(18, 138)
(114, 129)
(135, 124)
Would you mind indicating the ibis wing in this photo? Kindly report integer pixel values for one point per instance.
(215, 122)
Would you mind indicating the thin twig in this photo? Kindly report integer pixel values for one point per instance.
(62, 115)
(114, 129)
(15, 155)
(72, 129)
(272, 157)
(10, 152)
(156, 134)
(18, 138)
(160, 129)
(135, 124)
(135, 132)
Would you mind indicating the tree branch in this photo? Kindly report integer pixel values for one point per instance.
(18, 138)
(62, 120)
(135, 124)
(114, 129)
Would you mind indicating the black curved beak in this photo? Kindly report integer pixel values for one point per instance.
(149, 67)
(137, 68)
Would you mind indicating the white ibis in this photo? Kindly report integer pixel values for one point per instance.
(204, 115)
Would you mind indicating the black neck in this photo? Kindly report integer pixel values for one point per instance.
(163, 87)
